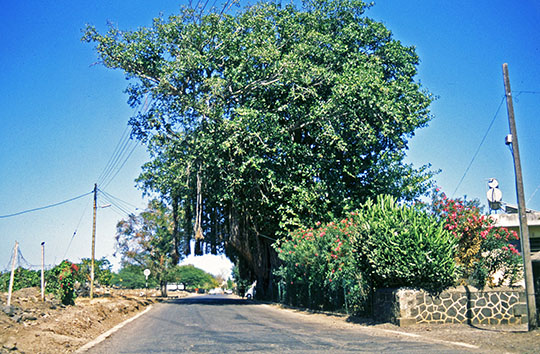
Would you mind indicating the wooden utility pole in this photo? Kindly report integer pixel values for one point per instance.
(93, 244)
(523, 227)
(42, 271)
(12, 277)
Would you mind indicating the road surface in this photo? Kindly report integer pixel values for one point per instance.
(226, 324)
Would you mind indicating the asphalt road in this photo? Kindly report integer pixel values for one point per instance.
(222, 324)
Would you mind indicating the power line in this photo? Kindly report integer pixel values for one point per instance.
(109, 164)
(118, 155)
(118, 199)
(45, 207)
(121, 166)
(531, 92)
(479, 146)
(121, 210)
(122, 152)
(76, 229)
(532, 195)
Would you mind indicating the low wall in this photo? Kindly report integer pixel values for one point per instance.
(456, 305)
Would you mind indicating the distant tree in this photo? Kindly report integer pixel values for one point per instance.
(131, 276)
(269, 118)
(147, 240)
(193, 277)
(102, 271)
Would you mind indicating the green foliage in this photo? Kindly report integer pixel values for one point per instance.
(147, 240)
(61, 280)
(23, 278)
(131, 276)
(483, 250)
(385, 244)
(402, 246)
(193, 277)
(265, 119)
(102, 271)
(242, 283)
(319, 270)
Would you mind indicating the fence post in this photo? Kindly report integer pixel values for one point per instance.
(42, 271)
(12, 277)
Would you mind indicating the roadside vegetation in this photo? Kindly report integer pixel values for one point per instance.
(387, 244)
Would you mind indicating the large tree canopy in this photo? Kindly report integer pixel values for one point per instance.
(269, 118)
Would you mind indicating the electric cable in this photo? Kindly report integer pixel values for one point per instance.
(122, 152)
(118, 207)
(117, 156)
(113, 157)
(532, 195)
(479, 146)
(531, 92)
(45, 207)
(204, 7)
(118, 199)
(76, 229)
(121, 166)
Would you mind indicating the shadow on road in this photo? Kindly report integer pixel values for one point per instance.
(211, 300)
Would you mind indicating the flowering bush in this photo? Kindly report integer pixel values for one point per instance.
(318, 269)
(484, 251)
(61, 280)
(384, 244)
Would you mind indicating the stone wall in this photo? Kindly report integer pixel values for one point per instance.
(457, 305)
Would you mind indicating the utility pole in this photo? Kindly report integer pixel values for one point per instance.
(12, 276)
(523, 227)
(93, 244)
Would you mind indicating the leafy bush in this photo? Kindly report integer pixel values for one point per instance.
(102, 271)
(383, 245)
(403, 246)
(23, 278)
(193, 277)
(61, 280)
(483, 250)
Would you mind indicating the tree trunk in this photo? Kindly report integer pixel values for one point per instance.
(176, 234)
(255, 251)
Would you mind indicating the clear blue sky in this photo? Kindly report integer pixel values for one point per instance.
(62, 117)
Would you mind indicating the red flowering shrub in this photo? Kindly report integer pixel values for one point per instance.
(483, 250)
(61, 280)
(383, 245)
(318, 269)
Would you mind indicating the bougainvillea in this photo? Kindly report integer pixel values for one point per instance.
(61, 281)
(486, 254)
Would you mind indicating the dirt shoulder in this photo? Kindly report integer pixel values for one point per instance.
(34, 326)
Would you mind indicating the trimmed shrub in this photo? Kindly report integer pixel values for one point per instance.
(403, 246)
